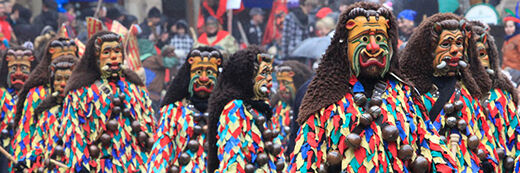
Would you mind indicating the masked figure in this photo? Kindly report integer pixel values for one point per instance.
(49, 116)
(181, 133)
(15, 67)
(290, 76)
(107, 118)
(500, 103)
(34, 91)
(357, 114)
(436, 61)
(241, 135)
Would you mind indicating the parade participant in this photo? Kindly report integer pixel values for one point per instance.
(107, 118)
(436, 61)
(358, 115)
(48, 115)
(214, 36)
(290, 76)
(181, 133)
(35, 89)
(241, 135)
(16, 65)
(501, 101)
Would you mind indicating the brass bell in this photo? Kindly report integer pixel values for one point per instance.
(406, 152)
(473, 142)
(268, 146)
(267, 134)
(260, 120)
(458, 105)
(420, 165)
(94, 151)
(287, 129)
(106, 139)
(250, 168)
(462, 125)
(334, 158)
(10, 124)
(482, 155)
(184, 159)
(116, 110)
(173, 169)
(279, 165)
(205, 129)
(451, 121)
(5, 133)
(59, 151)
(127, 112)
(40, 170)
(390, 133)
(375, 111)
(509, 162)
(142, 137)
(197, 117)
(193, 145)
(353, 141)
(376, 101)
(197, 130)
(112, 125)
(136, 126)
(501, 153)
(360, 99)
(122, 96)
(275, 133)
(116, 101)
(322, 168)
(448, 108)
(277, 148)
(365, 119)
(150, 142)
(262, 159)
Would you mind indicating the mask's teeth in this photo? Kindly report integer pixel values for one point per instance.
(490, 71)
(105, 68)
(441, 65)
(463, 64)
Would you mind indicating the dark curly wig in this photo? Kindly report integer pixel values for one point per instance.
(499, 80)
(87, 71)
(60, 63)
(302, 73)
(3, 66)
(417, 57)
(178, 89)
(40, 75)
(331, 82)
(234, 82)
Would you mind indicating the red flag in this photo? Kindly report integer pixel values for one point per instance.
(275, 22)
(93, 25)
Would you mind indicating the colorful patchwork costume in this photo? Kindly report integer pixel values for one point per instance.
(436, 61)
(181, 133)
(107, 118)
(34, 91)
(357, 114)
(500, 106)
(241, 135)
(290, 76)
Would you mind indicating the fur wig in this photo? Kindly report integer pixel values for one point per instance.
(417, 57)
(178, 88)
(40, 75)
(87, 71)
(302, 73)
(234, 82)
(499, 79)
(331, 82)
(3, 66)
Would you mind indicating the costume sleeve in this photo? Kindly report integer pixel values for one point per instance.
(27, 125)
(7, 108)
(164, 149)
(35, 157)
(232, 138)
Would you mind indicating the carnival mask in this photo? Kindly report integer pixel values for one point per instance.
(286, 88)
(203, 72)
(111, 58)
(369, 50)
(483, 55)
(449, 53)
(19, 67)
(263, 78)
(61, 76)
(62, 47)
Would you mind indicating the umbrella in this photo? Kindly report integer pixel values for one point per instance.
(313, 47)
